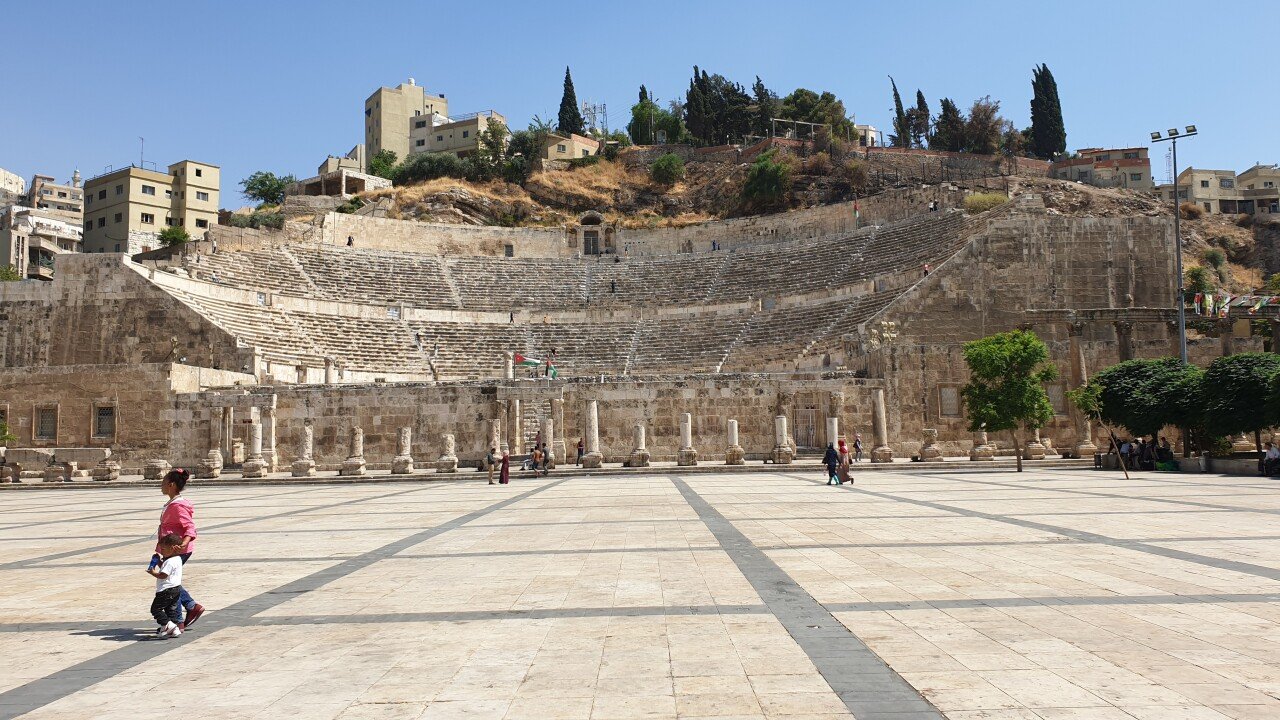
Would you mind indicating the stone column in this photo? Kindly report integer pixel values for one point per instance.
(833, 430)
(515, 427)
(929, 450)
(353, 466)
(687, 455)
(269, 437)
(255, 466)
(1084, 446)
(402, 463)
(557, 417)
(1124, 339)
(982, 450)
(106, 470)
(228, 434)
(329, 373)
(509, 365)
(211, 466)
(836, 402)
(593, 458)
(1035, 449)
(782, 453)
(639, 455)
(548, 439)
(733, 454)
(495, 436)
(881, 452)
(448, 462)
(305, 465)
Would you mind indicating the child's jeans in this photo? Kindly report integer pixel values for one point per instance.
(165, 608)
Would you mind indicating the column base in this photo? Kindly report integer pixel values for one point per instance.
(303, 468)
(401, 465)
(592, 460)
(687, 457)
(882, 454)
(982, 452)
(447, 464)
(639, 458)
(106, 471)
(1034, 451)
(352, 467)
(254, 468)
(930, 453)
(211, 466)
(734, 454)
(782, 455)
(1084, 450)
(156, 469)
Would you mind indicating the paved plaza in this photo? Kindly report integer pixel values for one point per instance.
(1051, 595)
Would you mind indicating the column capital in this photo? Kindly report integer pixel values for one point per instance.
(1075, 328)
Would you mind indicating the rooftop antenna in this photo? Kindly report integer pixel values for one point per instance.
(142, 146)
(595, 116)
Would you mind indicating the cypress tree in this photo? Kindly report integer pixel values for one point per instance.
(1048, 133)
(920, 121)
(901, 136)
(570, 120)
(948, 132)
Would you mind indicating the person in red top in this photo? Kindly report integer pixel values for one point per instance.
(177, 517)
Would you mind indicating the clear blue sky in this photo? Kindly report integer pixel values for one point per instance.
(277, 86)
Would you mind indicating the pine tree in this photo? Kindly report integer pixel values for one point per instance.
(920, 121)
(948, 131)
(766, 108)
(570, 116)
(1048, 134)
(901, 136)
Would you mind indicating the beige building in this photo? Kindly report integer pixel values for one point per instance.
(390, 114)
(12, 187)
(125, 209)
(66, 201)
(568, 147)
(31, 237)
(460, 135)
(339, 176)
(1255, 191)
(1107, 167)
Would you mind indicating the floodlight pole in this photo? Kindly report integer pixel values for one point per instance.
(1177, 241)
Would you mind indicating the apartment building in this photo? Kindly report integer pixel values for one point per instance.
(31, 237)
(12, 187)
(390, 114)
(1255, 191)
(66, 201)
(1107, 167)
(460, 135)
(570, 146)
(125, 209)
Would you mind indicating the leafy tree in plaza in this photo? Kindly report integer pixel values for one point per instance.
(1145, 395)
(920, 121)
(949, 130)
(1048, 134)
(1006, 384)
(383, 164)
(1236, 394)
(570, 118)
(174, 235)
(266, 187)
(901, 135)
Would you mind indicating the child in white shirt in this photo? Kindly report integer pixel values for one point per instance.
(168, 577)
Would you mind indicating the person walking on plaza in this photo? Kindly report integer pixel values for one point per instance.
(504, 476)
(489, 463)
(581, 449)
(546, 460)
(535, 460)
(857, 447)
(842, 450)
(178, 518)
(832, 460)
(166, 608)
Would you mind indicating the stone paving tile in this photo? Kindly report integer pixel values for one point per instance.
(1046, 596)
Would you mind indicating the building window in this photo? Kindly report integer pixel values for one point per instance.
(420, 143)
(119, 217)
(1131, 156)
(148, 189)
(1204, 183)
(102, 194)
(88, 200)
(202, 223)
(439, 138)
(168, 221)
(88, 224)
(1135, 177)
(393, 313)
(420, 124)
(1208, 208)
(509, 250)
(560, 148)
(202, 195)
(119, 189)
(117, 247)
(168, 193)
(948, 401)
(1057, 393)
(104, 421)
(47, 423)
(148, 219)
(1182, 194)
(1226, 183)
(1268, 184)
(102, 221)
(199, 172)
(586, 153)
(61, 194)
(466, 133)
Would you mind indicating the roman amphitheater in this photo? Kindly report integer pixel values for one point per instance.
(750, 339)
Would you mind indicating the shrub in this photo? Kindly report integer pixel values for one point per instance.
(9, 273)
(1215, 257)
(667, 170)
(258, 220)
(982, 202)
(1198, 280)
(582, 162)
(6, 437)
(818, 164)
(1244, 220)
(174, 235)
(852, 173)
(768, 181)
(428, 166)
(1190, 211)
(350, 206)
(610, 152)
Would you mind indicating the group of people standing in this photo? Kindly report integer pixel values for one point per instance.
(838, 458)
(1143, 455)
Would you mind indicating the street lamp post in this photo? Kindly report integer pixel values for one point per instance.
(1173, 136)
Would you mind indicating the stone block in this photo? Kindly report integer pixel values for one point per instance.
(352, 467)
(303, 468)
(782, 455)
(734, 455)
(687, 457)
(638, 458)
(106, 470)
(592, 460)
(156, 469)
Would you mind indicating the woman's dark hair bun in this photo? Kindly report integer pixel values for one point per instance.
(178, 476)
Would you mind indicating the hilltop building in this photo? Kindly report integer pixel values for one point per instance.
(459, 136)
(1255, 191)
(568, 147)
(390, 114)
(126, 209)
(12, 187)
(31, 237)
(65, 201)
(1107, 167)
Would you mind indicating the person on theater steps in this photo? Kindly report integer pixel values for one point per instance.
(178, 518)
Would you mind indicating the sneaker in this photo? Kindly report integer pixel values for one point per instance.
(167, 630)
(160, 631)
(193, 615)
(175, 632)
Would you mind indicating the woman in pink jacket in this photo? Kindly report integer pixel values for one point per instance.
(177, 517)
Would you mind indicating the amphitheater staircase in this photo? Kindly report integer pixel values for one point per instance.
(718, 280)
(292, 260)
(447, 271)
(737, 340)
(631, 351)
(589, 275)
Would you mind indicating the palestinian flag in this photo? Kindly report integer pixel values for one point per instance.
(1258, 306)
(1224, 305)
(523, 361)
(1208, 304)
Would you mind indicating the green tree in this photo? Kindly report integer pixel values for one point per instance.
(716, 110)
(1048, 134)
(768, 182)
(1145, 395)
(651, 123)
(491, 149)
(524, 149)
(823, 108)
(6, 437)
(901, 135)
(383, 164)
(1013, 141)
(1235, 394)
(570, 118)
(667, 170)
(174, 235)
(1273, 284)
(428, 166)
(920, 121)
(767, 108)
(9, 273)
(948, 131)
(1198, 280)
(1006, 384)
(984, 127)
(266, 187)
